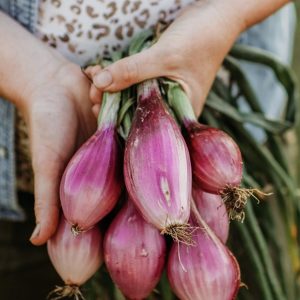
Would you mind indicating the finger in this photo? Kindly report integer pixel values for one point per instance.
(52, 143)
(47, 173)
(92, 70)
(95, 95)
(130, 70)
(96, 110)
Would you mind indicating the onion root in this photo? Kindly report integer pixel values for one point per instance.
(181, 233)
(235, 200)
(75, 229)
(67, 291)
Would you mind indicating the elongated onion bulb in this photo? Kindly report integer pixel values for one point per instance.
(206, 271)
(213, 211)
(75, 258)
(157, 165)
(92, 182)
(134, 253)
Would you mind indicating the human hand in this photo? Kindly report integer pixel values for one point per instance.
(190, 51)
(52, 95)
(58, 113)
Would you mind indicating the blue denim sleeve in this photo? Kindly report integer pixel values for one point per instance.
(9, 208)
(25, 12)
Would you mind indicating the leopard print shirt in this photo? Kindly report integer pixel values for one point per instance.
(82, 30)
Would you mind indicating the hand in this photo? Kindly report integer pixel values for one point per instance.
(190, 51)
(58, 112)
(52, 94)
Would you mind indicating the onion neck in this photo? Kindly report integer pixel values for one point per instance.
(181, 104)
(146, 89)
(108, 114)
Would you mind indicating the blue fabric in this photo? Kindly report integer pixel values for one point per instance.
(275, 35)
(9, 208)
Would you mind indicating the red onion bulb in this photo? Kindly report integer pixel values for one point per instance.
(216, 158)
(213, 211)
(218, 167)
(92, 181)
(75, 258)
(134, 253)
(206, 271)
(157, 165)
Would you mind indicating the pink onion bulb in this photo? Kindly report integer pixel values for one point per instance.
(216, 158)
(92, 181)
(134, 253)
(75, 258)
(206, 271)
(218, 167)
(213, 211)
(157, 165)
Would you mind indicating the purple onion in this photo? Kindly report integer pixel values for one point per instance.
(206, 271)
(92, 181)
(216, 158)
(134, 253)
(213, 211)
(75, 258)
(157, 165)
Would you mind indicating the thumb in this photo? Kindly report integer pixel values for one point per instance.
(47, 172)
(130, 70)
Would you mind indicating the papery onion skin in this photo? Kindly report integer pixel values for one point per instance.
(216, 158)
(206, 271)
(134, 253)
(75, 258)
(157, 166)
(213, 211)
(92, 181)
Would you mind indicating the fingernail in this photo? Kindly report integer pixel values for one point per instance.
(103, 79)
(36, 231)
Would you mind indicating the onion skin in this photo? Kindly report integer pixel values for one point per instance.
(92, 181)
(157, 166)
(134, 253)
(216, 158)
(213, 211)
(207, 271)
(75, 258)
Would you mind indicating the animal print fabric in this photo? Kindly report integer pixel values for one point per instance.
(82, 30)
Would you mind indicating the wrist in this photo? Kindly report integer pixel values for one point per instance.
(43, 71)
(254, 11)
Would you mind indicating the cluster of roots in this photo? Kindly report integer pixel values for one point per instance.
(67, 291)
(181, 233)
(76, 230)
(235, 200)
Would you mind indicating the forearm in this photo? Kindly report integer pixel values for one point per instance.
(254, 11)
(22, 55)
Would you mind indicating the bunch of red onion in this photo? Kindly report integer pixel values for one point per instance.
(158, 179)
